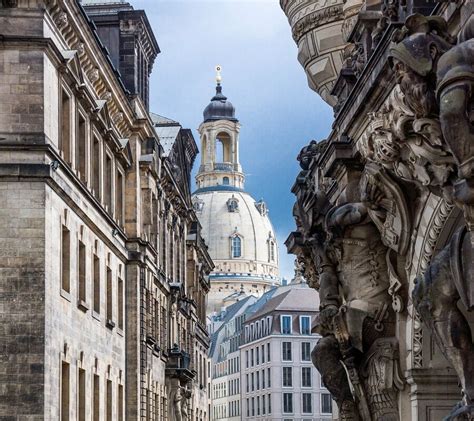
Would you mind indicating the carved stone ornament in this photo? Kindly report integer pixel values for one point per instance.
(61, 20)
(93, 75)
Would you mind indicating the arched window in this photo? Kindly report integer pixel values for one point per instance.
(225, 181)
(236, 246)
(271, 250)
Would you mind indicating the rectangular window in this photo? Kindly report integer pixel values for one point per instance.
(269, 404)
(120, 308)
(307, 403)
(269, 377)
(258, 405)
(81, 395)
(82, 271)
(64, 391)
(251, 358)
(286, 351)
(263, 354)
(81, 146)
(119, 198)
(95, 159)
(248, 408)
(247, 381)
(326, 403)
(108, 183)
(268, 352)
(287, 377)
(96, 399)
(305, 351)
(263, 405)
(65, 260)
(287, 403)
(257, 353)
(286, 325)
(306, 376)
(263, 379)
(65, 128)
(246, 359)
(108, 415)
(257, 375)
(96, 280)
(253, 381)
(253, 407)
(120, 403)
(109, 294)
(305, 326)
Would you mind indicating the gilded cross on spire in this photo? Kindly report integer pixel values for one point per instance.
(218, 74)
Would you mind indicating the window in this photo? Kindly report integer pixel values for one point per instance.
(109, 294)
(268, 352)
(253, 407)
(236, 246)
(81, 146)
(305, 351)
(95, 159)
(253, 381)
(257, 375)
(307, 403)
(263, 405)
(287, 403)
(120, 403)
(251, 357)
(225, 181)
(263, 354)
(108, 174)
(271, 250)
(258, 405)
(326, 403)
(120, 303)
(248, 408)
(96, 399)
(286, 325)
(81, 395)
(119, 198)
(65, 260)
(305, 325)
(108, 414)
(96, 280)
(269, 404)
(306, 376)
(233, 204)
(257, 354)
(286, 351)
(269, 377)
(65, 132)
(287, 377)
(82, 271)
(263, 379)
(246, 359)
(64, 391)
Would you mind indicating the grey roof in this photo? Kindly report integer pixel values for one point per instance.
(219, 108)
(167, 130)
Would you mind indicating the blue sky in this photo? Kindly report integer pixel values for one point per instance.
(279, 113)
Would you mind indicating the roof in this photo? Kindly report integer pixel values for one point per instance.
(219, 108)
(291, 298)
(167, 130)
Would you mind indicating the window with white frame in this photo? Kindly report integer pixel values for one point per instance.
(307, 403)
(286, 351)
(287, 377)
(286, 325)
(287, 403)
(326, 403)
(305, 351)
(305, 376)
(305, 325)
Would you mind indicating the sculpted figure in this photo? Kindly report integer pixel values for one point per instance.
(177, 403)
(346, 260)
(425, 63)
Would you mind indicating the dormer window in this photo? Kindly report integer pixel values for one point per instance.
(198, 205)
(233, 204)
(261, 207)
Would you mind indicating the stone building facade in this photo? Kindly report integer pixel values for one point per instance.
(384, 204)
(103, 270)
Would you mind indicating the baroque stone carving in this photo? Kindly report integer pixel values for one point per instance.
(426, 63)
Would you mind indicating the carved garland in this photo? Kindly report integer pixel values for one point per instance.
(440, 216)
(315, 19)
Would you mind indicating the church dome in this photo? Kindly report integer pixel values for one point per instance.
(240, 238)
(219, 108)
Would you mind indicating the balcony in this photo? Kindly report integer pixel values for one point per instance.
(178, 365)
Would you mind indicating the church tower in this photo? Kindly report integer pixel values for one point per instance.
(236, 228)
(219, 133)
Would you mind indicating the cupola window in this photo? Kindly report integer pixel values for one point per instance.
(236, 246)
(261, 207)
(225, 181)
(233, 204)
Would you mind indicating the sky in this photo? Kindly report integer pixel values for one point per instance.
(261, 76)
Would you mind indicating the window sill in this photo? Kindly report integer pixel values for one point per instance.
(110, 324)
(96, 315)
(83, 306)
(66, 295)
(120, 331)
